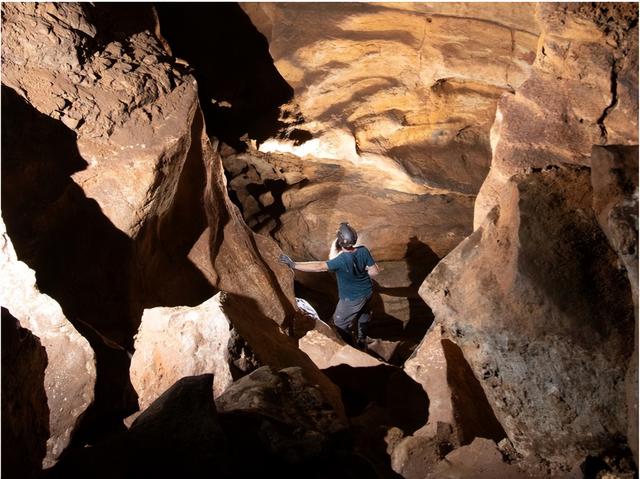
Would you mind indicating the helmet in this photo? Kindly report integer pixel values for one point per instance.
(346, 236)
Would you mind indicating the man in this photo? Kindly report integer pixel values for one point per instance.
(354, 266)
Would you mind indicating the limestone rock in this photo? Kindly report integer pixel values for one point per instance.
(173, 343)
(458, 409)
(391, 209)
(70, 375)
(123, 108)
(285, 425)
(327, 350)
(536, 303)
(286, 396)
(25, 414)
(274, 348)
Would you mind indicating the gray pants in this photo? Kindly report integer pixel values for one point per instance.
(349, 310)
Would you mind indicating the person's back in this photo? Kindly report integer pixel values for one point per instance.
(351, 271)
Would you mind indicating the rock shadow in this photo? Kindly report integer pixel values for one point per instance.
(473, 413)
(239, 87)
(377, 399)
(79, 257)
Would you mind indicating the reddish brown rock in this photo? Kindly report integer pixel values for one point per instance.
(70, 375)
(458, 409)
(173, 343)
(541, 312)
(570, 102)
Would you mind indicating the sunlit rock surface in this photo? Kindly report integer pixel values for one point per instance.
(70, 374)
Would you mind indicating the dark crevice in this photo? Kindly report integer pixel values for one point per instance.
(377, 399)
(240, 89)
(79, 257)
(612, 104)
(473, 413)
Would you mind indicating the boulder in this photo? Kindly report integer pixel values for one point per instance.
(287, 427)
(173, 343)
(458, 408)
(70, 374)
(272, 347)
(541, 312)
(178, 434)
(25, 413)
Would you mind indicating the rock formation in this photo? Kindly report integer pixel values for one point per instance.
(157, 159)
(70, 374)
(537, 286)
(178, 434)
(173, 343)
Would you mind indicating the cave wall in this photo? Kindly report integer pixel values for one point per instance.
(539, 289)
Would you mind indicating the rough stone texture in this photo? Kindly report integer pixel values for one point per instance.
(543, 315)
(285, 396)
(147, 159)
(326, 350)
(114, 86)
(25, 413)
(614, 177)
(582, 91)
(274, 348)
(379, 81)
(177, 435)
(173, 343)
(458, 408)
(70, 375)
(389, 127)
(280, 425)
(480, 459)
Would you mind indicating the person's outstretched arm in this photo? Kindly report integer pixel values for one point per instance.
(310, 266)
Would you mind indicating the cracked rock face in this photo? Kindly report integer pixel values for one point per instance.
(70, 373)
(537, 288)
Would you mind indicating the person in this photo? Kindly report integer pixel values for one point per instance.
(354, 266)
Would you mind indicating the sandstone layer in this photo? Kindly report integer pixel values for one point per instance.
(70, 374)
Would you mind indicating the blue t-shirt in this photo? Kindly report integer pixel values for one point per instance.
(351, 269)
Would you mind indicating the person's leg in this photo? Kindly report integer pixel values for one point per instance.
(364, 316)
(346, 311)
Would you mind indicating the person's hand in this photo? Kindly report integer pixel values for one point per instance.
(284, 259)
